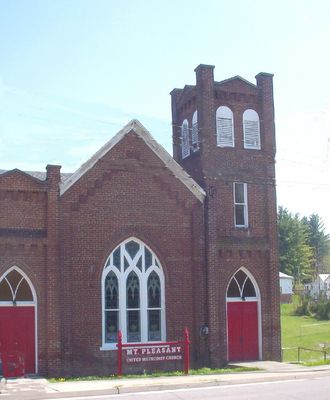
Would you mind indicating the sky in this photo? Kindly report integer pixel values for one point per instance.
(74, 72)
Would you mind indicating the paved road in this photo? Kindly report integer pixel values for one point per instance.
(298, 389)
(311, 387)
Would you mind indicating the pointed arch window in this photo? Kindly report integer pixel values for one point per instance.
(225, 127)
(194, 132)
(241, 286)
(251, 128)
(132, 295)
(185, 139)
(111, 306)
(154, 307)
(133, 308)
(14, 288)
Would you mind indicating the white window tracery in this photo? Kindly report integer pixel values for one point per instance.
(15, 288)
(132, 295)
(241, 286)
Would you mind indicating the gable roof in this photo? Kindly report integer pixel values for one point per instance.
(144, 134)
(33, 177)
(237, 78)
(324, 277)
(39, 175)
(283, 275)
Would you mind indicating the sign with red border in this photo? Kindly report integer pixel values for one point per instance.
(145, 352)
(164, 352)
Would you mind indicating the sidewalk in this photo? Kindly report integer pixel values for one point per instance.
(40, 388)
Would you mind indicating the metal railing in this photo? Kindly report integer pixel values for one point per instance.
(324, 354)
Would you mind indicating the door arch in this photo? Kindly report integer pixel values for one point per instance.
(18, 323)
(243, 318)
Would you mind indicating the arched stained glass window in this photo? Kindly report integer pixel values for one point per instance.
(132, 248)
(111, 306)
(148, 258)
(133, 295)
(116, 258)
(111, 291)
(133, 308)
(154, 307)
(241, 286)
(139, 263)
(154, 290)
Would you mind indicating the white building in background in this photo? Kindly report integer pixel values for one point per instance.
(320, 287)
(286, 287)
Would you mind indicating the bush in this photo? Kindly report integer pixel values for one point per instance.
(304, 307)
(323, 310)
(320, 308)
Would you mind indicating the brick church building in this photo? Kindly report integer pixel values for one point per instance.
(139, 241)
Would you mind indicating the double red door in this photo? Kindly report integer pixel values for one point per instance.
(242, 319)
(17, 340)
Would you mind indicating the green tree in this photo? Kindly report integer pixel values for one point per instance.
(319, 241)
(295, 253)
(327, 263)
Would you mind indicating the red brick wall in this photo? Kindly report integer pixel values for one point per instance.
(229, 248)
(23, 202)
(62, 244)
(26, 240)
(127, 193)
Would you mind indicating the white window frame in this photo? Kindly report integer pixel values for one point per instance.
(225, 114)
(194, 132)
(185, 145)
(244, 204)
(143, 280)
(251, 118)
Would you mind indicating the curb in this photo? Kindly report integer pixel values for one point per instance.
(121, 387)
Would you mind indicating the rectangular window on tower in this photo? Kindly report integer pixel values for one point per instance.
(240, 205)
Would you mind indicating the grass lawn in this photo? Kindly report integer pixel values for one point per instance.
(305, 332)
(200, 371)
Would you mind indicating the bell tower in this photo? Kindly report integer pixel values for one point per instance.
(224, 137)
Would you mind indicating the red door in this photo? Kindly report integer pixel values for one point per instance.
(17, 340)
(242, 320)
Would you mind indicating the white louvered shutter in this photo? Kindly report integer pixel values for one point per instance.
(194, 132)
(225, 127)
(251, 128)
(185, 139)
